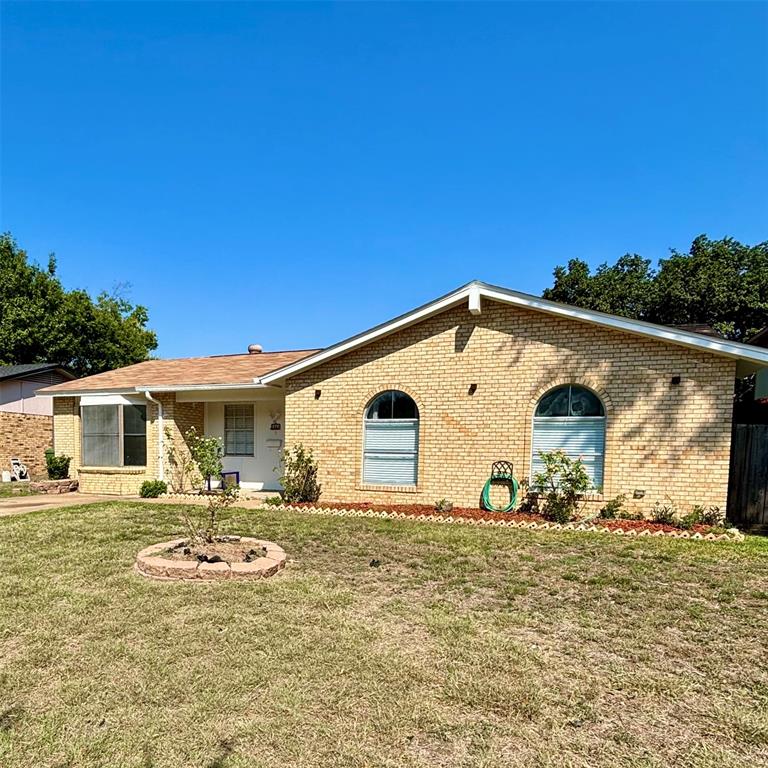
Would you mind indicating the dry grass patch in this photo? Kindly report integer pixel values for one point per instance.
(462, 647)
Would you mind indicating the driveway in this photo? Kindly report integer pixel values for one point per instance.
(16, 505)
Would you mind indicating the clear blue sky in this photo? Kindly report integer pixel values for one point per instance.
(293, 174)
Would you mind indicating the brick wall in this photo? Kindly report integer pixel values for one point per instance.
(25, 436)
(179, 417)
(670, 441)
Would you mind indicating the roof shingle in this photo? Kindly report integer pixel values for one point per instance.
(187, 371)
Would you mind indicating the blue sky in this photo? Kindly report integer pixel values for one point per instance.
(293, 174)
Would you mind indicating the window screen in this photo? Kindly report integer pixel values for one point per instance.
(101, 435)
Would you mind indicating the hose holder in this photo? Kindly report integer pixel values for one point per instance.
(501, 472)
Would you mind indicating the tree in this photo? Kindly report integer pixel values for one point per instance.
(625, 288)
(722, 283)
(42, 322)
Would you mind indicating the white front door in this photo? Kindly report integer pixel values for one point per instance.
(252, 433)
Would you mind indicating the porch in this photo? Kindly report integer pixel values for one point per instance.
(250, 424)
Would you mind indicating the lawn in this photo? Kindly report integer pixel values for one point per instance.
(464, 647)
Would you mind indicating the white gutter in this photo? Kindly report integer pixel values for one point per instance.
(160, 450)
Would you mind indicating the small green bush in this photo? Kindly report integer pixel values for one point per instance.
(57, 466)
(444, 506)
(666, 514)
(299, 478)
(151, 489)
(273, 501)
(562, 483)
(613, 508)
(701, 515)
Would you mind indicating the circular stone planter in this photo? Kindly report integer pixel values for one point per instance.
(151, 563)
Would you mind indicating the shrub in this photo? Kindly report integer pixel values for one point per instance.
(206, 452)
(443, 506)
(712, 516)
(613, 508)
(562, 482)
(299, 478)
(701, 515)
(151, 489)
(273, 501)
(666, 515)
(57, 466)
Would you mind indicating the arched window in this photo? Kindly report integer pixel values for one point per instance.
(572, 419)
(391, 442)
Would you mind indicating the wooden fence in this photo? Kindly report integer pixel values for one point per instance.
(748, 489)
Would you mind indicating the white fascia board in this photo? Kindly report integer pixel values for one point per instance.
(724, 347)
(403, 321)
(199, 387)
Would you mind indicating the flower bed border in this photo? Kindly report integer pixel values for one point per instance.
(153, 567)
(544, 525)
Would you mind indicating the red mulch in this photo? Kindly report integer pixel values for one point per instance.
(414, 510)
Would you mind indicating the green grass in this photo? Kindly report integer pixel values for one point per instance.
(9, 490)
(466, 647)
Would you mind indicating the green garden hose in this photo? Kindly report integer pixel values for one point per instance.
(511, 482)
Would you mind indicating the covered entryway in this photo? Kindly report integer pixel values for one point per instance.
(250, 423)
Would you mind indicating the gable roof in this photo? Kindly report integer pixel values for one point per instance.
(31, 369)
(750, 358)
(189, 372)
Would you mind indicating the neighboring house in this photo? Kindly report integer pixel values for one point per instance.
(18, 384)
(418, 408)
(26, 423)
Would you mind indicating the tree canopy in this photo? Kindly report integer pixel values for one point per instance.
(40, 321)
(722, 283)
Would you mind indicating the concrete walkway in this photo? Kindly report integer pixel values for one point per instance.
(17, 505)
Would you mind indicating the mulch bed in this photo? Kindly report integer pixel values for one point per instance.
(216, 552)
(416, 510)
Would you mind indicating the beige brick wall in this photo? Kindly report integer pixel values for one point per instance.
(671, 441)
(178, 417)
(26, 437)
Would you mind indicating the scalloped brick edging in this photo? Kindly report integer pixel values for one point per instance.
(150, 565)
(736, 536)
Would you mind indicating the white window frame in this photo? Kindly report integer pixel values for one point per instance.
(252, 454)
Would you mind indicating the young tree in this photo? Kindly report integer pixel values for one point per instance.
(42, 322)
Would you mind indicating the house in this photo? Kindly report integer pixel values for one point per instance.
(18, 384)
(26, 420)
(418, 408)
